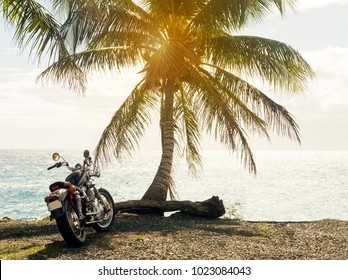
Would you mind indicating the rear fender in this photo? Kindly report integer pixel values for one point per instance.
(62, 194)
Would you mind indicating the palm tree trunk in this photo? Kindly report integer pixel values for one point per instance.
(162, 182)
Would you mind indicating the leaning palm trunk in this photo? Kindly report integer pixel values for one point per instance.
(162, 182)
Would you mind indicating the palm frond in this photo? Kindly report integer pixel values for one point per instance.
(276, 116)
(217, 115)
(248, 118)
(171, 61)
(187, 9)
(115, 39)
(71, 71)
(108, 58)
(126, 16)
(34, 27)
(223, 15)
(64, 72)
(127, 125)
(81, 20)
(271, 60)
(190, 129)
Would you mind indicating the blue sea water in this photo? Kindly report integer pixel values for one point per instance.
(289, 185)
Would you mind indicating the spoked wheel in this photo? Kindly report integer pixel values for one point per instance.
(70, 226)
(106, 223)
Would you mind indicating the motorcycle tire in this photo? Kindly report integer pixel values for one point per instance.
(109, 217)
(69, 225)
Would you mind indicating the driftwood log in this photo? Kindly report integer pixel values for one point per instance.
(211, 208)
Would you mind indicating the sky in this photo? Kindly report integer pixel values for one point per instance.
(52, 117)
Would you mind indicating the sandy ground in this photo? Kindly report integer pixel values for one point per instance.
(151, 237)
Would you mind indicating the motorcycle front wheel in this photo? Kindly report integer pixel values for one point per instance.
(70, 226)
(106, 223)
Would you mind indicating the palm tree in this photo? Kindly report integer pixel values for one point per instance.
(195, 68)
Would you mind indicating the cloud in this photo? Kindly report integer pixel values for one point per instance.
(11, 51)
(311, 4)
(322, 113)
(331, 70)
(30, 114)
(327, 91)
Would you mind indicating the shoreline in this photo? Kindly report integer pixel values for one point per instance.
(180, 238)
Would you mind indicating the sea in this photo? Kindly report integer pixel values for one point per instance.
(288, 186)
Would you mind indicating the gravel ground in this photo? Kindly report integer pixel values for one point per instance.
(151, 237)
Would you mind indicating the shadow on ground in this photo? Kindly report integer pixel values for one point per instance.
(40, 240)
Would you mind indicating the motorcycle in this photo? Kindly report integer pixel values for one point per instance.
(76, 203)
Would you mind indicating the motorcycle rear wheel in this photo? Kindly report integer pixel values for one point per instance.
(109, 217)
(70, 226)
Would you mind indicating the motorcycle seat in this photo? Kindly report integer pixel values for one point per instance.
(59, 185)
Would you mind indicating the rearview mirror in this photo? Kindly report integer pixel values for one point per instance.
(55, 156)
(86, 154)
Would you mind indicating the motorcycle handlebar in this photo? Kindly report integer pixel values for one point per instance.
(58, 164)
(87, 161)
(53, 166)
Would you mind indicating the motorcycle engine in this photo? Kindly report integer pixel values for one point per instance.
(93, 205)
(95, 208)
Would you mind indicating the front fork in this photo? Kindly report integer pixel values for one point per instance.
(102, 200)
(78, 201)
